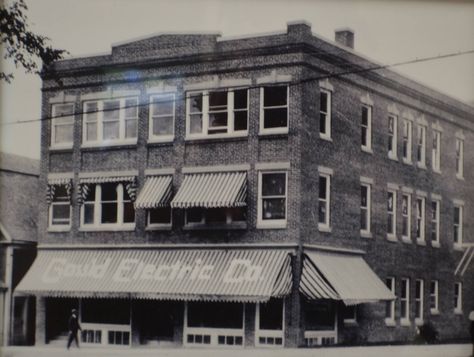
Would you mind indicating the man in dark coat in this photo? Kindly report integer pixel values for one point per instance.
(74, 327)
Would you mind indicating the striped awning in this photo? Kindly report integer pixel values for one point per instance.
(105, 179)
(155, 193)
(243, 275)
(212, 190)
(341, 276)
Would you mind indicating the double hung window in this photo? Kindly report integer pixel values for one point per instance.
(60, 208)
(325, 114)
(420, 219)
(391, 213)
(272, 198)
(419, 296)
(392, 136)
(458, 298)
(435, 207)
(458, 224)
(390, 305)
(405, 301)
(434, 296)
(366, 128)
(365, 203)
(407, 140)
(324, 201)
(162, 112)
(459, 158)
(274, 109)
(62, 126)
(436, 153)
(406, 216)
(421, 146)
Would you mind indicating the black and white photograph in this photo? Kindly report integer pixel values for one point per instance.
(216, 178)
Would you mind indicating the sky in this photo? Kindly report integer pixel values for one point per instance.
(385, 31)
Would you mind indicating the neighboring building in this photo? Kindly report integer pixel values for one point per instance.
(204, 191)
(18, 237)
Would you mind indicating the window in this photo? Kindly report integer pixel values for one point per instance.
(218, 112)
(349, 314)
(436, 153)
(274, 109)
(324, 201)
(392, 136)
(434, 297)
(457, 224)
(405, 301)
(108, 205)
(391, 213)
(420, 219)
(162, 109)
(60, 208)
(269, 323)
(407, 140)
(159, 217)
(458, 298)
(459, 158)
(366, 128)
(325, 114)
(435, 207)
(419, 301)
(390, 305)
(406, 216)
(421, 146)
(215, 216)
(272, 198)
(365, 198)
(62, 127)
(110, 121)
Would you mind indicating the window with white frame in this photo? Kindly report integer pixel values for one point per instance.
(366, 128)
(110, 121)
(392, 136)
(407, 140)
(435, 215)
(406, 215)
(324, 200)
(62, 125)
(272, 197)
(419, 296)
(159, 217)
(405, 301)
(390, 304)
(365, 206)
(434, 296)
(60, 207)
(436, 151)
(420, 219)
(457, 223)
(217, 112)
(274, 109)
(199, 216)
(108, 205)
(459, 158)
(421, 146)
(270, 323)
(391, 213)
(458, 297)
(162, 113)
(325, 114)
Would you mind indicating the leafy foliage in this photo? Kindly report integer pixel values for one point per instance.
(21, 45)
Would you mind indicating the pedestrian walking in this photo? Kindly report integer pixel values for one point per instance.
(74, 327)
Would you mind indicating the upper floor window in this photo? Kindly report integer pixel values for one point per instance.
(325, 114)
(159, 217)
(392, 136)
(407, 140)
(391, 213)
(110, 121)
(406, 216)
(457, 224)
(419, 297)
(365, 205)
(108, 205)
(60, 207)
(436, 151)
(349, 314)
(272, 203)
(390, 305)
(458, 298)
(459, 158)
(274, 109)
(421, 146)
(434, 296)
(420, 219)
(215, 216)
(366, 128)
(218, 112)
(162, 112)
(435, 209)
(324, 201)
(62, 125)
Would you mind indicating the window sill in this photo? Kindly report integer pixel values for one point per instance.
(158, 227)
(435, 244)
(392, 157)
(457, 246)
(405, 322)
(419, 322)
(107, 229)
(351, 323)
(458, 311)
(201, 137)
(278, 131)
(324, 228)
(406, 240)
(366, 234)
(460, 177)
(407, 162)
(367, 149)
(390, 322)
(271, 225)
(60, 148)
(103, 145)
(437, 171)
(421, 165)
(434, 312)
(325, 137)
(59, 228)
(162, 140)
(420, 241)
(214, 227)
(392, 238)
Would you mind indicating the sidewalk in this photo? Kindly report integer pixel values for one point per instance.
(377, 351)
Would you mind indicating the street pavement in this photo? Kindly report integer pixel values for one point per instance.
(463, 350)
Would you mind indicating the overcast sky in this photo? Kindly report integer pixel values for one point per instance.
(386, 31)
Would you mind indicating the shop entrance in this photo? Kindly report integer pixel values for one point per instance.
(58, 311)
(156, 321)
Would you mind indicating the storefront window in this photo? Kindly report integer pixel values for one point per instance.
(271, 315)
(320, 316)
(104, 311)
(215, 315)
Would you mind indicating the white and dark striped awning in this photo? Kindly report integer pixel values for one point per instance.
(155, 193)
(341, 276)
(85, 183)
(240, 275)
(212, 190)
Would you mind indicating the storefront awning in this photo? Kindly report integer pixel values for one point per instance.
(244, 275)
(155, 193)
(341, 276)
(212, 190)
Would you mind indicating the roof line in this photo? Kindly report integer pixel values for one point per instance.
(146, 37)
(169, 246)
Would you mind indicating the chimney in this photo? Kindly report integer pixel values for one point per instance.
(345, 37)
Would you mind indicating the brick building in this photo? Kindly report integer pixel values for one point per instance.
(269, 190)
